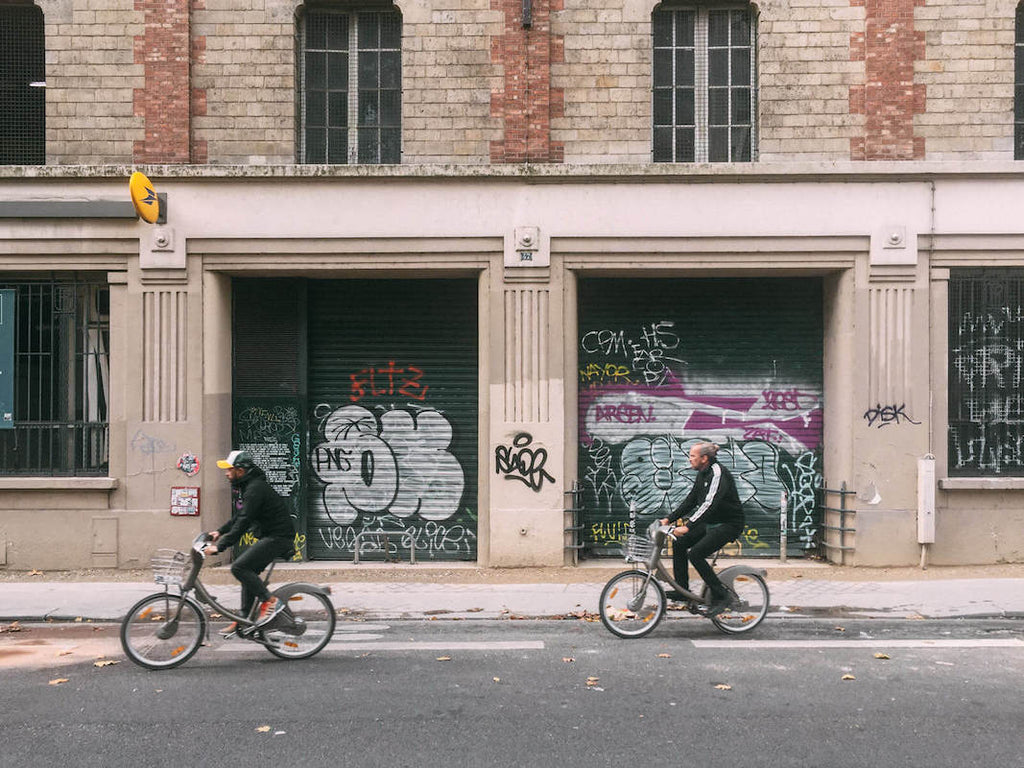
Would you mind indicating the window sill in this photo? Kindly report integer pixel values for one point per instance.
(58, 483)
(982, 483)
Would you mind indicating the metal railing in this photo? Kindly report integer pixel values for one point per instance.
(845, 515)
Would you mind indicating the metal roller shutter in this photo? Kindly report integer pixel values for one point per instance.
(663, 363)
(393, 371)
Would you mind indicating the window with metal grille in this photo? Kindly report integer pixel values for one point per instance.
(22, 86)
(986, 364)
(705, 77)
(1018, 91)
(61, 379)
(350, 86)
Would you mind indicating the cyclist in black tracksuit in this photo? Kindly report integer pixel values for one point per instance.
(257, 508)
(715, 519)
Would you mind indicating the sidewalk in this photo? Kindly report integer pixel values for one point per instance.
(454, 592)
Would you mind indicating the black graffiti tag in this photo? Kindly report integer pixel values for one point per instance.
(525, 464)
(882, 416)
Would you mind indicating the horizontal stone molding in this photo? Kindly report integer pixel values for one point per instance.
(981, 484)
(71, 484)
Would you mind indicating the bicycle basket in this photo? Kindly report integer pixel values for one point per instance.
(637, 549)
(169, 567)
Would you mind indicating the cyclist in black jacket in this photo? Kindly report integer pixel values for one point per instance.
(715, 519)
(257, 508)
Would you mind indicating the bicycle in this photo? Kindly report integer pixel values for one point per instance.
(164, 629)
(633, 602)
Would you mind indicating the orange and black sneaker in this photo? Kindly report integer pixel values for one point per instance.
(231, 630)
(268, 611)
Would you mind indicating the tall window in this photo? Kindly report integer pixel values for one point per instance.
(1018, 96)
(61, 340)
(704, 84)
(351, 86)
(22, 86)
(986, 372)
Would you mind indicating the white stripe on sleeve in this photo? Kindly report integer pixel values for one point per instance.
(716, 472)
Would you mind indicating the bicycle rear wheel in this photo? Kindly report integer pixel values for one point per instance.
(162, 631)
(303, 628)
(631, 606)
(750, 607)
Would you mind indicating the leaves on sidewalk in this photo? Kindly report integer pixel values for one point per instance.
(848, 677)
(58, 681)
(882, 656)
(35, 572)
(12, 627)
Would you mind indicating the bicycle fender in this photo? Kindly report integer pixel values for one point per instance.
(736, 570)
(287, 590)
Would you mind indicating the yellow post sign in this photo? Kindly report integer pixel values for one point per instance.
(144, 197)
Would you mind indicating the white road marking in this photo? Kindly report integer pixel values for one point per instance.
(875, 643)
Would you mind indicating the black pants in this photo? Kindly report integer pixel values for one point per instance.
(248, 566)
(700, 542)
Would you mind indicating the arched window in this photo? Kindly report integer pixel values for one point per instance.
(1018, 89)
(350, 86)
(22, 85)
(705, 84)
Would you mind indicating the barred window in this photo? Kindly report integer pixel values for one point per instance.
(350, 69)
(1018, 91)
(705, 78)
(22, 86)
(61, 379)
(986, 371)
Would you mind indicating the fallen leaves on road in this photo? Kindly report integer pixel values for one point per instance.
(723, 687)
(496, 679)
(105, 663)
(849, 677)
(65, 652)
(568, 659)
(444, 658)
(882, 656)
(664, 655)
(58, 681)
(593, 680)
(12, 627)
(840, 629)
(263, 729)
(35, 572)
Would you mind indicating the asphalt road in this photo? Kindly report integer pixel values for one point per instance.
(524, 693)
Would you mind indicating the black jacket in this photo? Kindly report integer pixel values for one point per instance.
(713, 498)
(259, 509)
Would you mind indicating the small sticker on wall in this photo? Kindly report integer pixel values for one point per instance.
(184, 502)
(189, 464)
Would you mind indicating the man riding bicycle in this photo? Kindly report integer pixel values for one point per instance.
(716, 518)
(256, 507)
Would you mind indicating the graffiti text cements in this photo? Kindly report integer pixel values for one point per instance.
(523, 463)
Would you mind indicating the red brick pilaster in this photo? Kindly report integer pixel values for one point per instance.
(166, 102)
(527, 103)
(889, 98)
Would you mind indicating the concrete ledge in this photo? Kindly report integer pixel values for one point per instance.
(58, 483)
(982, 483)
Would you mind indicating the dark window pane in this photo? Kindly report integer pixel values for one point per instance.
(740, 28)
(316, 145)
(663, 145)
(1018, 103)
(316, 30)
(337, 146)
(369, 108)
(718, 28)
(337, 70)
(391, 31)
(390, 145)
(685, 107)
(718, 145)
(369, 30)
(368, 145)
(718, 66)
(740, 106)
(686, 23)
(1019, 64)
(369, 68)
(1020, 24)
(661, 23)
(1018, 142)
(391, 69)
(663, 106)
(662, 68)
(685, 145)
(337, 32)
(316, 70)
(685, 74)
(337, 112)
(740, 66)
(740, 144)
(390, 108)
(316, 109)
(718, 106)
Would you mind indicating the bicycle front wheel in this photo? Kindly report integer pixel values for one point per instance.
(750, 607)
(631, 604)
(162, 631)
(303, 628)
